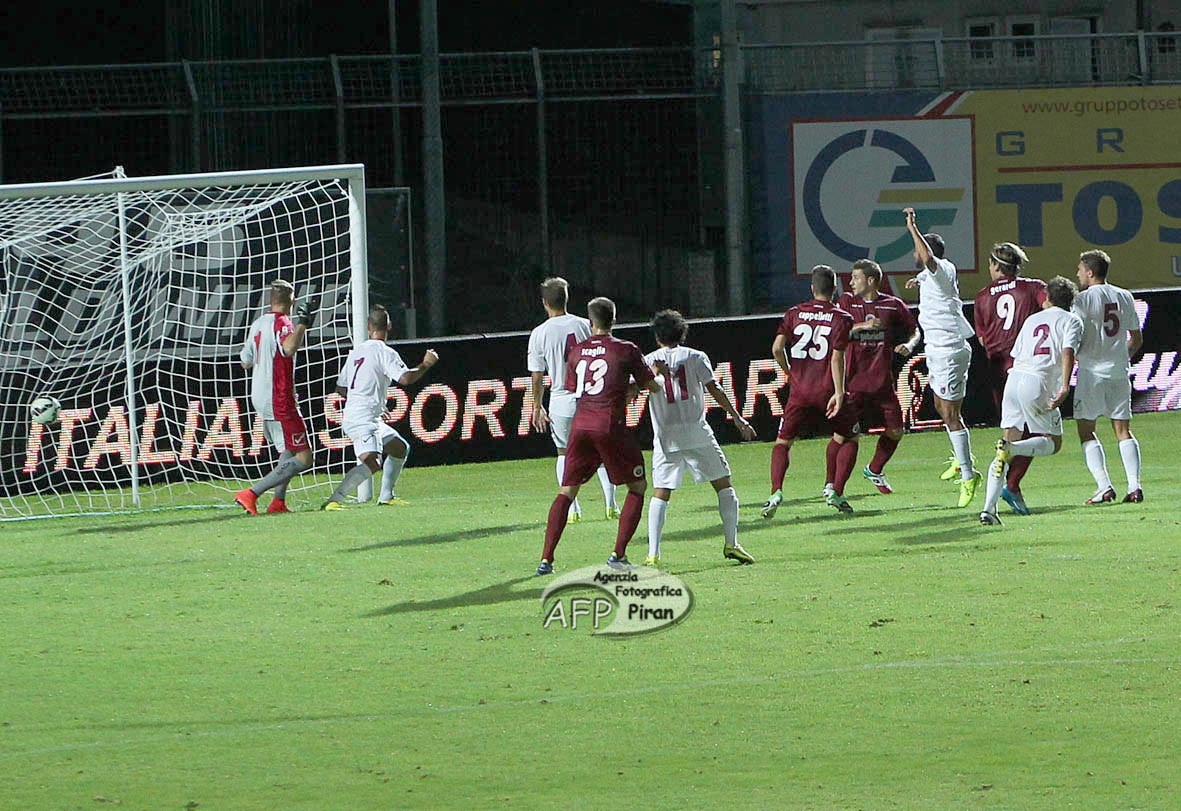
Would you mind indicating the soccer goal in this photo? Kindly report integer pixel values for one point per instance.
(128, 300)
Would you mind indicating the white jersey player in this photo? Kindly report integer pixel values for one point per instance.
(682, 438)
(1111, 336)
(945, 333)
(364, 382)
(549, 342)
(1038, 383)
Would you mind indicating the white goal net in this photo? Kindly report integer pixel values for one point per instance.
(129, 299)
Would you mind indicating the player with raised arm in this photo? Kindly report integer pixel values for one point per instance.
(549, 343)
(815, 334)
(883, 326)
(600, 372)
(1111, 336)
(945, 333)
(1037, 384)
(1000, 310)
(269, 354)
(364, 382)
(682, 438)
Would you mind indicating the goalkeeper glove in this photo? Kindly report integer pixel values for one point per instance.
(305, 314)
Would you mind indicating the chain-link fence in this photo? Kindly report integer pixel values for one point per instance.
(600, 165)
(579, 163)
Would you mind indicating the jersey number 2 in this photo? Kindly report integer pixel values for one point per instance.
(1042, 333)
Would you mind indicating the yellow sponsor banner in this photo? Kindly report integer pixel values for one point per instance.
(1060, 171)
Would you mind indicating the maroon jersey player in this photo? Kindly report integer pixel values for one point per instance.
(999, 311)
(600, 372)
(810, 347)
(883, 326)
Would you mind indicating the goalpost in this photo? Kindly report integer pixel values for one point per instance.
(128, 300)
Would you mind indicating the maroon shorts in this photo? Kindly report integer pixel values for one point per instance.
(295, 434)
(617, 451)
(874, 409)
(800, 415)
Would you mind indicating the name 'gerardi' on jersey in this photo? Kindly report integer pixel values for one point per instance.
(1108, 313)
(549, 345)
(813, 330)
(366, 375)
(869, 363)
(272, 374)
(598, 372)
(678, 411)
(1001, 309)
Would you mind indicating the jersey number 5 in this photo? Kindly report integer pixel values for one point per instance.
(1111, 319)
(597, 370)
(811, 341)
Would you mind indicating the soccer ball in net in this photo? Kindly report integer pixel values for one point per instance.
(45, 409)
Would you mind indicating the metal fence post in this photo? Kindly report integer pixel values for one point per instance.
(542, 164)
(338, 90)
(735, 168)
(432, 156)
(195, 119)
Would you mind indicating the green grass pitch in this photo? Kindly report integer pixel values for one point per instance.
(900, 658)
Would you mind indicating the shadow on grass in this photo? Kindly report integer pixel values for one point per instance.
(104, 529)
(489, 595)
(442, 537)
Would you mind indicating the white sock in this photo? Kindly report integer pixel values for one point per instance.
(1034, 446)
(993, 493)
(391, 469)
(560, 467)
(1097, 463)
(608, 488)
(961, 446)
(657, 508)
(1129, 450)
(728, 509)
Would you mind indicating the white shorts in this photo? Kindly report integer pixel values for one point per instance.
(559, 428)
(273, 431)
(370, 437)
(947, 371)
(1026, 405)
(705, 464)
(1096, 397)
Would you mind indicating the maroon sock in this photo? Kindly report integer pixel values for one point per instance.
(629, 519)
(1018, 466)
(885, 450)
(846, 461)
(831, 452)
(555, 524)
(780, 459)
